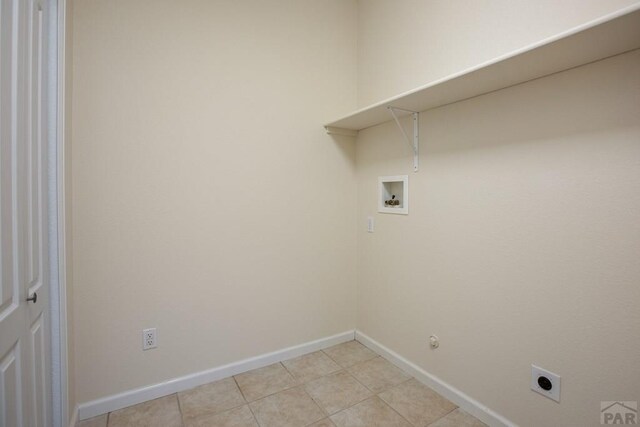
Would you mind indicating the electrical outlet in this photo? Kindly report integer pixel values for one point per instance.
(545, 382)
(149, 340)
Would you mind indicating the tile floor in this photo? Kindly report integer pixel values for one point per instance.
(342, 386)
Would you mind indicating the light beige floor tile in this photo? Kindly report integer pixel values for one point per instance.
(337, 391)
(458, 418)
(159, 412)
(417, 403)
(99, 421)
(237, 417)
(323, 423)
(349, 353)
(311, 366)
(264, 381)
(289, 408)
(378, 374)
(210, 398)
(373, 412)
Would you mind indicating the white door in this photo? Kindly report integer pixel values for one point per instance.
(24, 273)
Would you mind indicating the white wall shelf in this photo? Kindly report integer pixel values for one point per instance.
(599, 39)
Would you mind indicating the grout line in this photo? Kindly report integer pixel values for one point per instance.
(357, 363)
(390, 387)
(180, 408)
(329, 415)
(359, 382)
(209, 413)
(275, 392)
(393, 409)
(302, 381)
(334, 361)
(326, 414)
(361, 400)
(342, 410)
(360, 363)
(454, 409)
(329, 356)
(239, 389)
(287, 369)
(253, 414)
(233, 377)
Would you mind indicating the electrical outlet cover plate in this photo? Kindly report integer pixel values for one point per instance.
(370, 224)
(554, 392)
(149, 339)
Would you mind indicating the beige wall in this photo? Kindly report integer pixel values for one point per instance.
(521, 244)
(208, 200)
(403, 44)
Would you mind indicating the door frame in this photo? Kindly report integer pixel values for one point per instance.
(57, 215)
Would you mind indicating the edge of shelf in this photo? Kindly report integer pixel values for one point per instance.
(376, 113)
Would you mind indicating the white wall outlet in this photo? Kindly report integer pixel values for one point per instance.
(545, 382)
(370, 224)
(149, 339)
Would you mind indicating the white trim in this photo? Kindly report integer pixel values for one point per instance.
(59, 371)
(465, 402)
(60, 358)
(132, 397)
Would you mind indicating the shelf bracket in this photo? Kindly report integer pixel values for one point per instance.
(415, 142)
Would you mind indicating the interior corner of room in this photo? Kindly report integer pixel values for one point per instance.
(433, 200)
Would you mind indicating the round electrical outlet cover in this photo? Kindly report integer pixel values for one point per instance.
(545, 383)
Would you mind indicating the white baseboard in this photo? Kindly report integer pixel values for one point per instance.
(74, 417)
(132, 397)
(465, 402)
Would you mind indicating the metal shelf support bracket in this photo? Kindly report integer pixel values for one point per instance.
(414, 142)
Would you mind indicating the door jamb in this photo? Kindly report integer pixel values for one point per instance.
(57, 214)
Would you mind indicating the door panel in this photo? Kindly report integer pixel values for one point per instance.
(36, 273)
(8, 283)
(24, 326)
(10, 388)
(38, 368)
(13, 313)
(34, 150)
